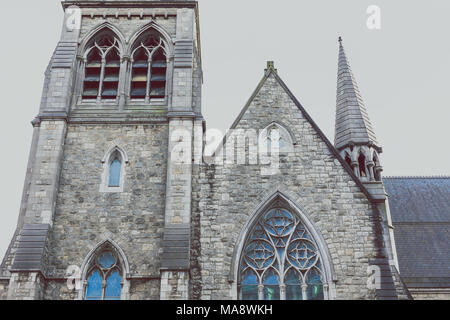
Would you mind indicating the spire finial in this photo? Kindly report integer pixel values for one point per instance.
(270, 67)
(340, 40)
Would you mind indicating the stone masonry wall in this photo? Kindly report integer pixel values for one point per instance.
(311, 176)
(128, 26)
(4, 289)
(134, 219)
(27, 286)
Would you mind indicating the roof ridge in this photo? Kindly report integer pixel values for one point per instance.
(419, 177)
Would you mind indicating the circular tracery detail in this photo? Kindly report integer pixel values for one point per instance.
(280, 253)
(104, 280)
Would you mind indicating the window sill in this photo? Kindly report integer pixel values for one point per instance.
(129, 104)
(104, 189)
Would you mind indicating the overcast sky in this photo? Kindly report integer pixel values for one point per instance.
(403, 71)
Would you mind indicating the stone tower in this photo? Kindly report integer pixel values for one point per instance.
(102, 189)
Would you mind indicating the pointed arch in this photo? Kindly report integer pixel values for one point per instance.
(116, 148)
(362, 165)
(348, 158)
(377, 166)
(114, 170)
(148, 27)
(105, 26)
(281, 199)
(120, 269)
(285, 137)
(150, 50)
(100, 66)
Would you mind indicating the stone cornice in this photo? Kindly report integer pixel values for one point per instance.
(130, 4)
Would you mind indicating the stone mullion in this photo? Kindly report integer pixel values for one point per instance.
(378, 169)
(282, 273)
(129, 78)
(261, 292)
(149, 75)
(169, 77)
(103, 287)
(304, 291)
(102, 76)
(282, 291)
(370, 166)
(326, 293)
(123, 81)
(355, 166)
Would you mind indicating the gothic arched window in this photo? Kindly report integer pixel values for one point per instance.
(280, 260)
(362, 166)
(276, 134)
(348, 160)
(114, 164)
(114, 172)
(149, 68)
(102, 68)
(104, 281)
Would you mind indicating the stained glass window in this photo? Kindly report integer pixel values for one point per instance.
(280, 253)
(114, 173)
(113, 286)
(95, 282)
(250, 286)
(315, 288)
(105, 280)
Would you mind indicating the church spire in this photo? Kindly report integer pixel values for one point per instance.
(354, 136)
(352, 120)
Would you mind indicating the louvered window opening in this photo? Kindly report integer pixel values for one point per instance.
(102, 70)
(149, 68)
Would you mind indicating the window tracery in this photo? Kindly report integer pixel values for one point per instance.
(104, 280)
(102, 68)
(149, 68)
(280, 260)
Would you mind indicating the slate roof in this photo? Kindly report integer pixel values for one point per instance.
(352, 120)
(420, 210)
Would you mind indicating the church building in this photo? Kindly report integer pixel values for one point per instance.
(120, 201)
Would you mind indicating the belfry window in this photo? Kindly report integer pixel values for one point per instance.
(280, 260)
(348, 160)
(102, 68)
(104, 281)
(149, 68)
(362, 166)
